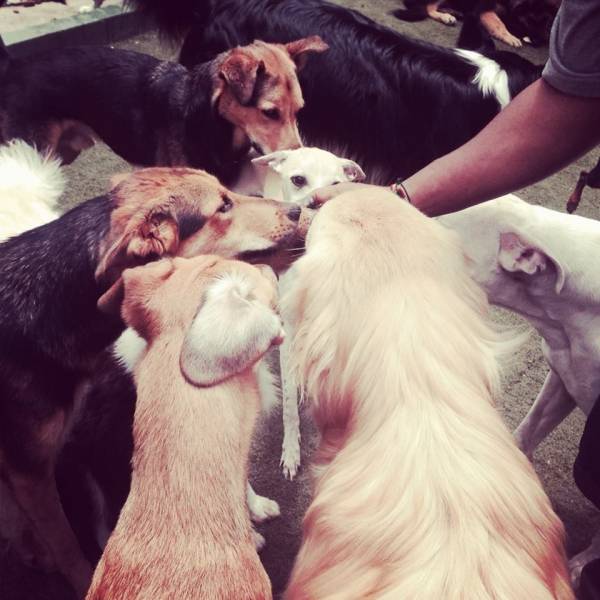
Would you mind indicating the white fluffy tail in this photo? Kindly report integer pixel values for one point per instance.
(30, 186)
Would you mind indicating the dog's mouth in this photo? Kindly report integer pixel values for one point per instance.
(257, 148)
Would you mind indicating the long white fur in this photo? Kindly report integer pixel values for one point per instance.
(419, 491)
(30, 186)
(490, 78)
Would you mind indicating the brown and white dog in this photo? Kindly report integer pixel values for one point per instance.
(54, 278)
(153, 112)
(420, 490)
(184, 531)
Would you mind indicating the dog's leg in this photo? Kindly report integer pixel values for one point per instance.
(575, 197)
(290, 450)
(579, 561)
(497, 29)
(440, 17)
(261, 508)
(551, 406)
(35, 492)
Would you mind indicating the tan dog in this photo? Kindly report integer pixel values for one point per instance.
(51, 279)
(153, 112)
(420, 490)
(184, 531)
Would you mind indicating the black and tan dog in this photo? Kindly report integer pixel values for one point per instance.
(509, 21)
(153, 112)
(57, 283)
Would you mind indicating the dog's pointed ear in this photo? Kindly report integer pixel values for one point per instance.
(153, 236)
(241, 71)
(230, 332)
(352, 171)
(300, 49)
(518, 253)
(274, 160)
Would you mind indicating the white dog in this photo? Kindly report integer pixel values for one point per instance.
(541, 264)
(292, 176)
(30, 186)
(420, 490)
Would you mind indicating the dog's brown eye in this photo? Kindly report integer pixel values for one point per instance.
(271, 113)
(226, 206)
(298, 180)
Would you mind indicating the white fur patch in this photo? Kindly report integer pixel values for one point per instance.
(128, 349)
(30, 186)
(490, 78)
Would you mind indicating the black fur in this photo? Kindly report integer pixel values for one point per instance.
(392, 103)
(149, 112)
(50, 328)
(523, 18)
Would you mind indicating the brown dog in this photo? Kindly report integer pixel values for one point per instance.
(184, 531)
(51, 331)
(153, 112)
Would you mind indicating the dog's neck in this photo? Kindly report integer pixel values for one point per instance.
(208, 137)
(190, 450)
(61, 258)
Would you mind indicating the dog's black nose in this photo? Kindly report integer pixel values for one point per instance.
(294, 213)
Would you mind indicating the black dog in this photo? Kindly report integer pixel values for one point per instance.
(586, 178)
(153, 112)
(392, 103)
(510, 21)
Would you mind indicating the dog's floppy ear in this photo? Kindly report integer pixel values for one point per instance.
(230, 332)
(153, 236)
(517, 253)
(240, 71)
(353, 171)
(274, 160)
(300, 49)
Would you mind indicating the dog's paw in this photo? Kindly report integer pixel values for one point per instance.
(447, 19)
(290, 459)
(511, 40)
(259, 540)
(262, 508)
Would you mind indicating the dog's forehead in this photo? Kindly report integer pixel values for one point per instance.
(314, 162)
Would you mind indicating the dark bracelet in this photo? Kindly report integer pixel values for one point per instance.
(398, 188)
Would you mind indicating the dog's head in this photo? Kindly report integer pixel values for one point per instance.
(503, 252)
(226, 309)
(304, 170)
(256, 89)
(165, 212)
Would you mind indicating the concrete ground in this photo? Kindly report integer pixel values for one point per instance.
(89, 176)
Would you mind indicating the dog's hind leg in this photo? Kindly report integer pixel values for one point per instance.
(261, 508)
(497, 29)
(550, 408)
(290, 450)
(34, 488)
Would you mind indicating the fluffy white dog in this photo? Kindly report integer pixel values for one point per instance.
(30, 186)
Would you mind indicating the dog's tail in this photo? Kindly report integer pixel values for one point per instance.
(30, 186)
(173, 18)
(411, 15)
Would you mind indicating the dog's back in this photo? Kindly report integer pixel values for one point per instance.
(184, 531)
(30, 186)
(420, 490)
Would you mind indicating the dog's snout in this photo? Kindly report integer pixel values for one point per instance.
(294, 213)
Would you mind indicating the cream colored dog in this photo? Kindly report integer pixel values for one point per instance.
(184, 531)
(420, 491)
